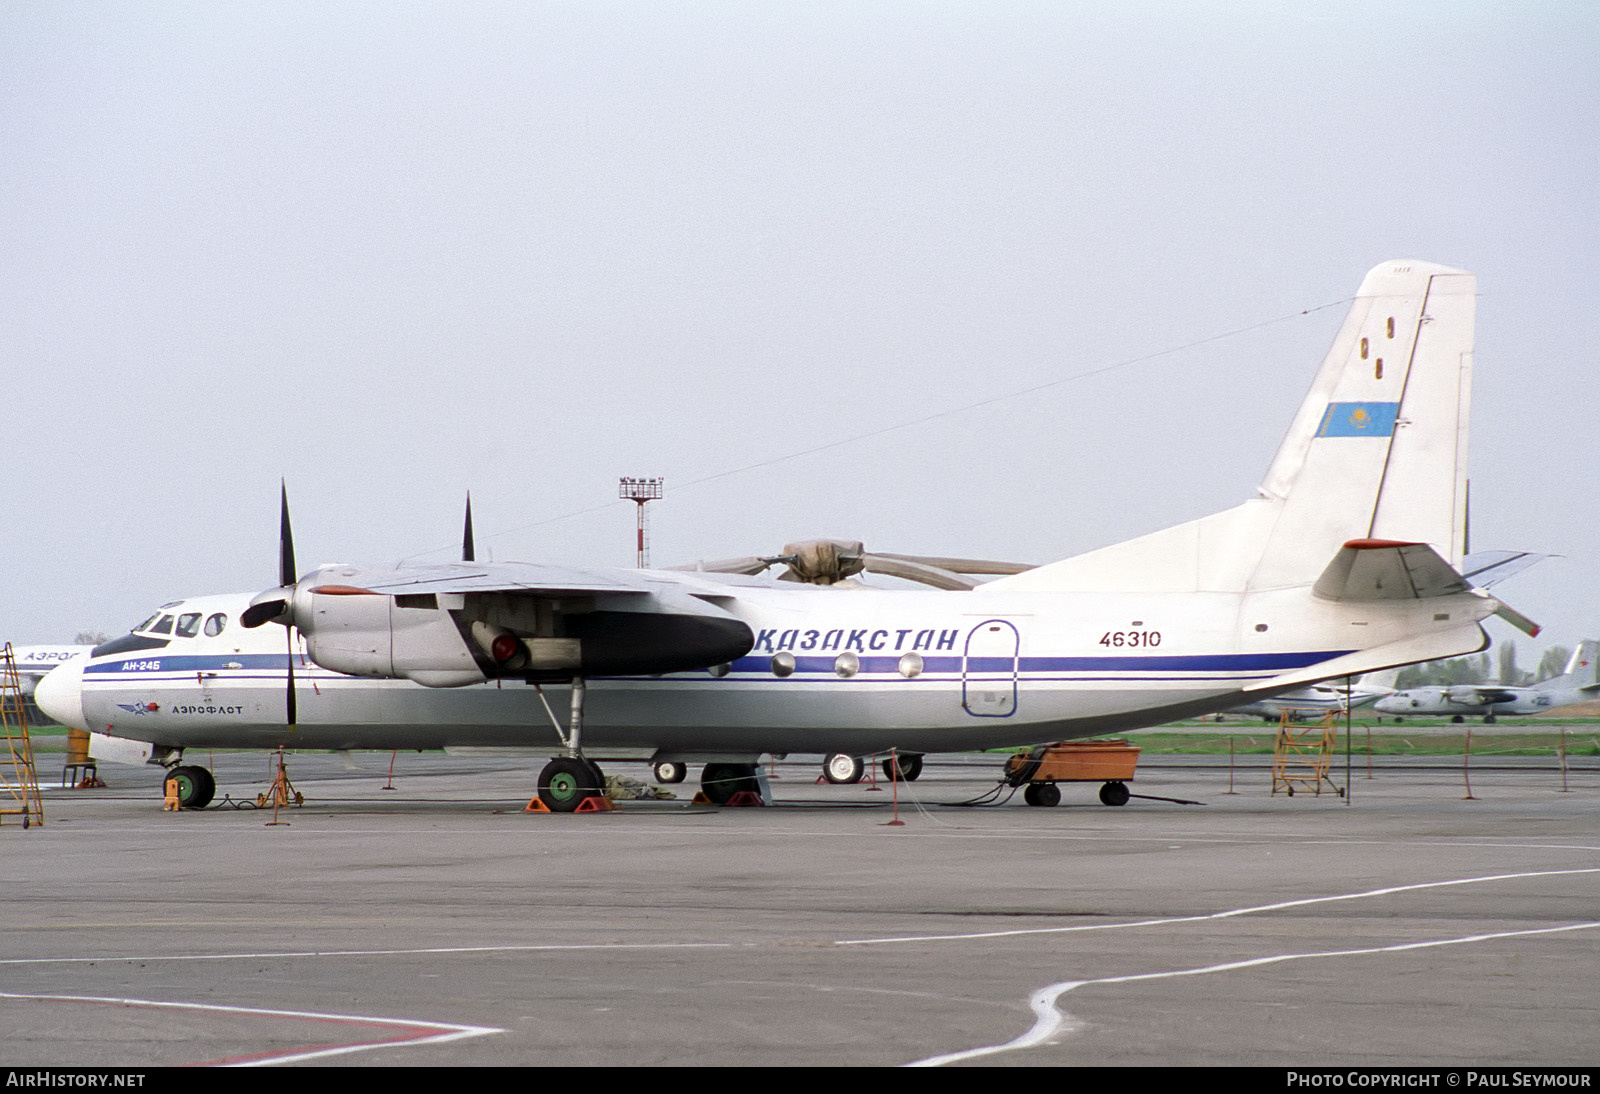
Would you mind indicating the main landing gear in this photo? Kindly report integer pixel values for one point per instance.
(721, 781)
(568, 781)
(840, 767)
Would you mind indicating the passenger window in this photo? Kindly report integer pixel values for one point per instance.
(163, 627)
(188, 624)
(216, 624)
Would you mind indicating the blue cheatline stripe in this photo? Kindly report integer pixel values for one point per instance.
(1359, 420)
(194, 663)
(1235, 663)
(1210, 662)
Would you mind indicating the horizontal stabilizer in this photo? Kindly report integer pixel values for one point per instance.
(1379, 569)
(1454, 642)
(1486, 569)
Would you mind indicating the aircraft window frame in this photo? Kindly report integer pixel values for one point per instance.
(216, 623)
(147, 624)
(188, 625)
(163, 625)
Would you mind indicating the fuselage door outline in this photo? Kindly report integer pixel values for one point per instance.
(989, 669)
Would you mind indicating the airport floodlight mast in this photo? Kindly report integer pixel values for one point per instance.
(641, 492)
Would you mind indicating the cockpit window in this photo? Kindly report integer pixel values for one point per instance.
(163, 627)
(216, 625)
(188, 624)
(146, 624)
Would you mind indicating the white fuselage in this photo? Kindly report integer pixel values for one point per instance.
(849, 670)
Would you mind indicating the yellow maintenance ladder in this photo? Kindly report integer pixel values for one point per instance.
(19, 781)
(1301, 756)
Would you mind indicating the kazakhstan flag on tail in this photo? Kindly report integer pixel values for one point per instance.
(1359, 420)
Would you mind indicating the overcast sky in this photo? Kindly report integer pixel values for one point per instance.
(392, 252)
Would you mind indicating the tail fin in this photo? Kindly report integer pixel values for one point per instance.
(1376, 452)
(1378, 449)
(1583, 669)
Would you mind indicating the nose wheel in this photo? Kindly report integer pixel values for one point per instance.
(195, 786)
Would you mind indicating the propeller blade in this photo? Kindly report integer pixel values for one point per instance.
(287, 574)
(264, 611)
(469, 552)
(963, 565)
(936, 576)
(289, 701)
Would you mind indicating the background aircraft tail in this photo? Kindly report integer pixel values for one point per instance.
(1377, 451)
(1583, 669)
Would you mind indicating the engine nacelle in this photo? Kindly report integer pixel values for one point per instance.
(451, 640)
(370, 634)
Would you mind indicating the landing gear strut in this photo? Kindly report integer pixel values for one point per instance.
(567, 781)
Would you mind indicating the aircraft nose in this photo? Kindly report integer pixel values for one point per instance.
(60, 695)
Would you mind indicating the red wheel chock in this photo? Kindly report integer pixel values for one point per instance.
(746, 797)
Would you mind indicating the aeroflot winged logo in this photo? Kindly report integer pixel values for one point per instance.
(140, 708)
(1359, 420)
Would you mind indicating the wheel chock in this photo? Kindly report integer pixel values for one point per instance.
(535, 805)
(170, 789)
(745, 797)
(597, 804)
(700, 799)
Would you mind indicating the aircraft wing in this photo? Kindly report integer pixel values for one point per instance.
(1488, 568)
(456, 623)
(481, 577)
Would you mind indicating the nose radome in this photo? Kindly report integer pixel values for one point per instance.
(60, 695)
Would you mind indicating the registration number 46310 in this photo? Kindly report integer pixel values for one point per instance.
(1131, 638)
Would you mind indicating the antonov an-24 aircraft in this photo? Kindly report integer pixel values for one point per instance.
(1346, 561)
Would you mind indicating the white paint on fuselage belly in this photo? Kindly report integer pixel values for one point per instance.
(771, 714)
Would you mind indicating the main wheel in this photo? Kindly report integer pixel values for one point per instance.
(566, 781)
(721, 782)
(910, 767)
(196, 787)
(1114, 794)
(1489, 719)
(843, 768)
(671, 771)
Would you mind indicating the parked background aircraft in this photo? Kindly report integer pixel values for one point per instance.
(1580, 683)
(1320, 699)
(33, 662)
(1342, 564)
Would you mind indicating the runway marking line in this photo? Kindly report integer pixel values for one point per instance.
(547, 947)
(1049, 1020)
(1231, 913)
(408, 1032)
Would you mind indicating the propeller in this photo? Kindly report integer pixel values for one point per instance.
(469, 551)
(829, 561)
(275, 604)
